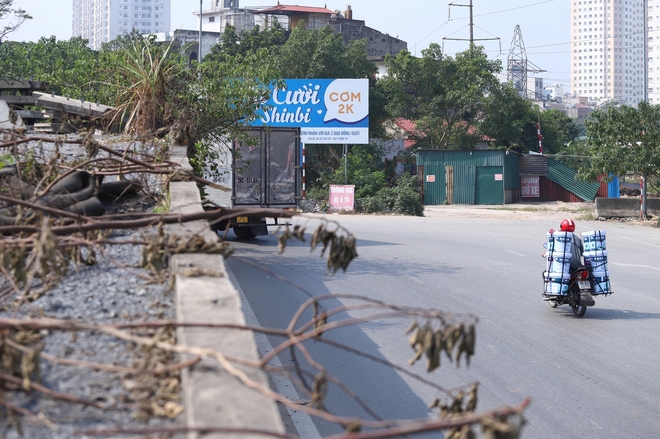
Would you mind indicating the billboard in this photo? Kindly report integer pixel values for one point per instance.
(327, 111)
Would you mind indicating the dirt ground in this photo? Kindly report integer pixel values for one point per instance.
(554, 209)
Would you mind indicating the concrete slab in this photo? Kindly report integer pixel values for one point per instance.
(625, 207)
(213, 396)
(8, 119)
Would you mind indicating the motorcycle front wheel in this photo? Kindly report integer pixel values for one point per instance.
(579, 310)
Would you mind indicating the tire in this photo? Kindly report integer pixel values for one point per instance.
(243, 232)
(579, 310)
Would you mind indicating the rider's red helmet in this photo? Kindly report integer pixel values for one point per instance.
(567, 225)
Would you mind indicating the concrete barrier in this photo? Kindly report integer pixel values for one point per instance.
(625, 207)
(212, 396)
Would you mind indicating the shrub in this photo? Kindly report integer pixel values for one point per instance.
(402, 199)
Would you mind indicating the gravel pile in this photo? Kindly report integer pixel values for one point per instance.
(104, 293)
(115, 290)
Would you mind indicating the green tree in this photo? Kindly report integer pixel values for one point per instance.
(576, 155)
(509, 120)
(365, 170)
(558, 130)
(229, 93)
(247, 42)
(7, 11)
(69, 67)
(124, 41)
(624, 140)
(443, 96)
(320, 53)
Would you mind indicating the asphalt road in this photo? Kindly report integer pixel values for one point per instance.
(592, 377)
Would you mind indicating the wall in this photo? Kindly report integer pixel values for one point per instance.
(378, 43)
(464, 163)
(625, 207)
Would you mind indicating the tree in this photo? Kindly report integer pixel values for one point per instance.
(229, 93)
(443, 96)
(558, 130)
(625, 140)
(365, 170)
(576, 155)
(247, 42)
(320, 53)
(509, 120)
(69, 67)
(6, 11)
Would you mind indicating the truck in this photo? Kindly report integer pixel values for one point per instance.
(265, 173)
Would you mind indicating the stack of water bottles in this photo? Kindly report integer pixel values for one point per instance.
(595, 259)
(558, 269)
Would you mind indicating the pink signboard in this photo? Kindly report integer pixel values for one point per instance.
(529, 186)
(341, 197)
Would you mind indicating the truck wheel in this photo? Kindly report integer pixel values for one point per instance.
(243, 232)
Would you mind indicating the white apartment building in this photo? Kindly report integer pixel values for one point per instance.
(608, 53)
(101, 21)
(653, 49)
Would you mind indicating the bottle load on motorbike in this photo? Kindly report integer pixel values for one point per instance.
(576, 269)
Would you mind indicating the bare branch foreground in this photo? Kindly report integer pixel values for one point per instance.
(46, 233)
(457, 415)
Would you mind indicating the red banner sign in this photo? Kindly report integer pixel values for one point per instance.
(529, 186)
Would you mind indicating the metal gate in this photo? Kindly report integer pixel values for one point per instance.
(490, 185)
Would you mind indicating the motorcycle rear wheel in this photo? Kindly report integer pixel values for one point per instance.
(579, 310)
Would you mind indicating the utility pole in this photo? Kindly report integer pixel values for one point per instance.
(472, 39)
(199, 49)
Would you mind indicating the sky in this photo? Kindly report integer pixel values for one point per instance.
(544, 25)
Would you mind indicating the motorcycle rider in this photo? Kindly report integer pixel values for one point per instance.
(568, 225)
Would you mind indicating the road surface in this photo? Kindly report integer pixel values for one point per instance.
(591, 377)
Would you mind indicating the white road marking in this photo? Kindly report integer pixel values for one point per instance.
(516, 253)
(635, 265)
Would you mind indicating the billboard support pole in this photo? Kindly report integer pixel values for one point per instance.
(345, 163)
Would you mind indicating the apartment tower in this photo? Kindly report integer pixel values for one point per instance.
(101, 21)
(608, 53)
(653, 51)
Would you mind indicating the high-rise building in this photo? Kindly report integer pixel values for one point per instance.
(653, 51)
(608, 53)
(101, 21)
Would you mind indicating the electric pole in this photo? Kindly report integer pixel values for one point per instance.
(472, 39)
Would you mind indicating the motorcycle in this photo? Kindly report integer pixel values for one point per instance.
(568, 284)
(579, 294)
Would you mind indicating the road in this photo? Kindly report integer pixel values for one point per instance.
(590, 377)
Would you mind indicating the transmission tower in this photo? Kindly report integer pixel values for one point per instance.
(519, 66)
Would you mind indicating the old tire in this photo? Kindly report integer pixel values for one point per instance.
(243, 232)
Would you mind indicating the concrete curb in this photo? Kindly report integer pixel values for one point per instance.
(212, 396)
(625, 207)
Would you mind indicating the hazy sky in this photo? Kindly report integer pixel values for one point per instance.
(545, 24)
